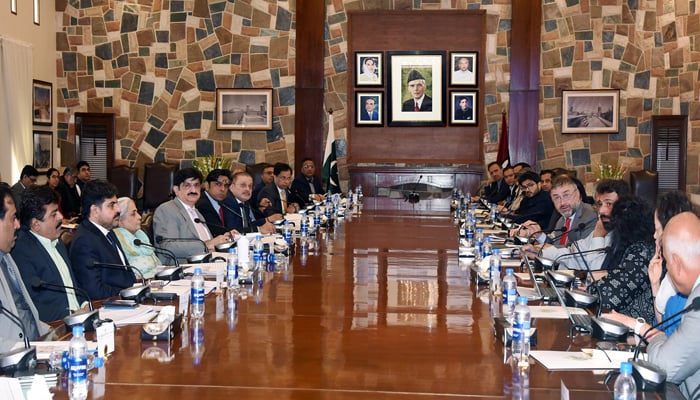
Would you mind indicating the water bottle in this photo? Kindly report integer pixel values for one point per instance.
(287, 233)
(469, 230)
(78, 365)
(486, 248)
(494, 213)
(350, 200)
(510, 294)
(232, 269)
(625, 388)
(197, 294)
(317, 217)
(258, 247)
(520, 345)
(478, 253)
(495, 272)
(304, 227)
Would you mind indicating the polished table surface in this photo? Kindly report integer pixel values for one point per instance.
(382, 309)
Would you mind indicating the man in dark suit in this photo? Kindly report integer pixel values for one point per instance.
(307, 186)
(537, 205)
(210, 202)
(27, 178)
(497, 190)
(276, 198)
(416, 86)
(369, 112)
(83, 174)
(266, 177)
(40, 253)
(463, 112)
(70, 199)
(94, 242)
(243, 217)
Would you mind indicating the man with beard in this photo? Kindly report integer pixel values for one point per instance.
(607, 193)
(496, 190)
(245, 218)
(94, 242)
(577, 219)
(40, 253)
(178, 226)
(536, 205)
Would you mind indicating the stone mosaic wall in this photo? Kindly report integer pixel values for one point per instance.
(157, 64)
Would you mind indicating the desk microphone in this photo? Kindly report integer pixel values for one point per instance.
(136, 293)
(85, 318)
(161, 239)
(648, 376)
(21, 359)
(169, 273)
(579, 228)
(220, 246)
(413, 197)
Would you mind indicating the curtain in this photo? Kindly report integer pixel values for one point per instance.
(15, 107)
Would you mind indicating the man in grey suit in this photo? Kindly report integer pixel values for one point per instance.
(175, 225)
(27, 178)
(13, 294)
(677, 354)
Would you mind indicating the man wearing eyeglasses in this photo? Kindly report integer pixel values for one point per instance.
(210, 204)
(276, 198)
(306, 186)
(537, 205)
(27, 178)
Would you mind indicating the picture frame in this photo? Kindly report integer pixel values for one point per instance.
(464, 68)
(244, 109)
(590, 111)
(464, 113)
(43, 150)
(416, 69)
(42, 103)
(363, 117)
(364, 62)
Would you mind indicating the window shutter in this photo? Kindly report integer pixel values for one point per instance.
(669, 151)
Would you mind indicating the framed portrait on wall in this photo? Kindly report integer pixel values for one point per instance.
(463, 109)
(244, 109)
(42, 103)
(369, 108)
(42, 150)
(590, 111)
(369, 68)
(416, 88)
(463, 68)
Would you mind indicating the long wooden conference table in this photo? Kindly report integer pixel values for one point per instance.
(382, 310)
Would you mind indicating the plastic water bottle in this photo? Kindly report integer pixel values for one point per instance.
(486, 248)
(495, 271)
(197, 294)
(494, 213)
(625, 388)
(78, 365)
(232, 269)
(304, 227)
(287, 233)
(258, 247)
(469, 230)
(479, 241)
(510, 294)
(520, 345)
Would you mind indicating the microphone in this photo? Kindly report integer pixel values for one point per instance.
(161, 239)
(167, 274)
(85, 318)
(20, 359)
(135, 293)
(413, 197)
(648, 376)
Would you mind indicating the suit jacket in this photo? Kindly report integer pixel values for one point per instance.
(463, 115)
(34, 261)
(10, 333)
(270, 192)
(256, 191)
(538, 208)
(70, 200)
(89, 244)
(172, 221)
(410, 104)
(497, 191)
(677, 354)
(17, 192)
(585, 214)
(302, 190)
(234, 216)
(210, 215)
(365, 116)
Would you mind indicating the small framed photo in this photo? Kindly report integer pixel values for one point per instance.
(42, 150)
(369, 69)
(42, 101)
(463, 110)
(416, 88)
(369, 108)
(590, 111)
(463, 68)
(244, 109)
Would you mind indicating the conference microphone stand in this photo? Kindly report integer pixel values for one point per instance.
(86, 319)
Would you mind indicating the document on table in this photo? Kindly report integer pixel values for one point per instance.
(208, 269)
(44, 349)
(140, 314)
(552, 312)
(587, 359)
(183, 286)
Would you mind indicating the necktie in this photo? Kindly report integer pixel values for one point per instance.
(201, 230)
(23, 309)
(311, 186)
(113, 240)
(244, 214)
(415, 107)
(221, 214)
(283, 198)
(565, 235)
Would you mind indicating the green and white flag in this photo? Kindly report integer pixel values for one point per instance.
(330, 163)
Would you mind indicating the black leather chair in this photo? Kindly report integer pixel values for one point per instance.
(158, 181)
(645, 184)
(126, 180)
(255, 171)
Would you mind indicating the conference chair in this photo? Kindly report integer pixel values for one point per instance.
(255, 171)
(158, 181)
(126, 180)
(645, 184)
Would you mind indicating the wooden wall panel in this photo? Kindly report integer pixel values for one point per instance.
(411, 31)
